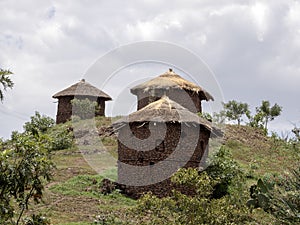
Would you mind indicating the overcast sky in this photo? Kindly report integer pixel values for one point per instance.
(252, 47)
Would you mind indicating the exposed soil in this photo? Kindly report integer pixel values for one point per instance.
(246, 135)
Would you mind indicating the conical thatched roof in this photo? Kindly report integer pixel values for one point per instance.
(170, 80)
(82, 88)
(164, 110)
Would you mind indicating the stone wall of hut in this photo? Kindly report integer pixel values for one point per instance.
(64, 109)
(188, 99)
(182, 138)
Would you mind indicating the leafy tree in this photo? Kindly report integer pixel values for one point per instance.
(257, 121)
(269, 113)
(219, 117)
(84, 108)
(264, 114)
(38, 123)
(234, 110)
(5, 81)
(24, 165)
(59, 137)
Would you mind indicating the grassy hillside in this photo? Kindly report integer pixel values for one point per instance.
(73, 196)
(260, 154)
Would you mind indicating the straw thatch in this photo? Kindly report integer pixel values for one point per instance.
(164, 110)
(171, 80)
(82, 88)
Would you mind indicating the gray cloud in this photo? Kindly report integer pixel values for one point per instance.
(252, 46)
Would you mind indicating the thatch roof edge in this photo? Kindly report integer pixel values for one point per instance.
(82, 88)
(164, 110)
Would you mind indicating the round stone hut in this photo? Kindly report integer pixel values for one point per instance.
(184, 92)
(80, 90)
(154, 142)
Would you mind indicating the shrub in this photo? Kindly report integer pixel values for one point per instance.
(84, 108)
(38, 123)
(223, 169)
(36, 220)
(61, 137)
(285, 202)
(24, 165)
(281, 199)
(199, 209)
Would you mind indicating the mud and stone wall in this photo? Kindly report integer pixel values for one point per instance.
(187, 99)
(178, 145)
(64, 108)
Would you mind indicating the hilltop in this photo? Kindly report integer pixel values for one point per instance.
(260, 153)
(73, 197)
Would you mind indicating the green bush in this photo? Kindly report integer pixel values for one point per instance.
(38, 123)
(285, 201)
(61, 137)
(199, 209)
(279, 195)
(36, 220)
(84, 108)
(225, 170)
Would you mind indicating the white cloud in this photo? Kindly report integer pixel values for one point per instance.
(260, 11)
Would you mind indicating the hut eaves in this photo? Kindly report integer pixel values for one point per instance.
(82, 88)
(164, 110)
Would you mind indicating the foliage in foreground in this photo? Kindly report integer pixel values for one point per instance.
(24, 165)
(60, 136)
(220, 197)
(225, 170)
(5, 82)
(285, 202)
(38, 124)
(199, 209)
(281, 199)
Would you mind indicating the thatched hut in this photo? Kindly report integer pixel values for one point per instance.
(175, 87)
(80, 90)
(156, 141)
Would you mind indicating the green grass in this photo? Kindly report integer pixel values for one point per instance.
(84, 185)
(271, 158)
(111, 173)
(89, 186)
(79, 186)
